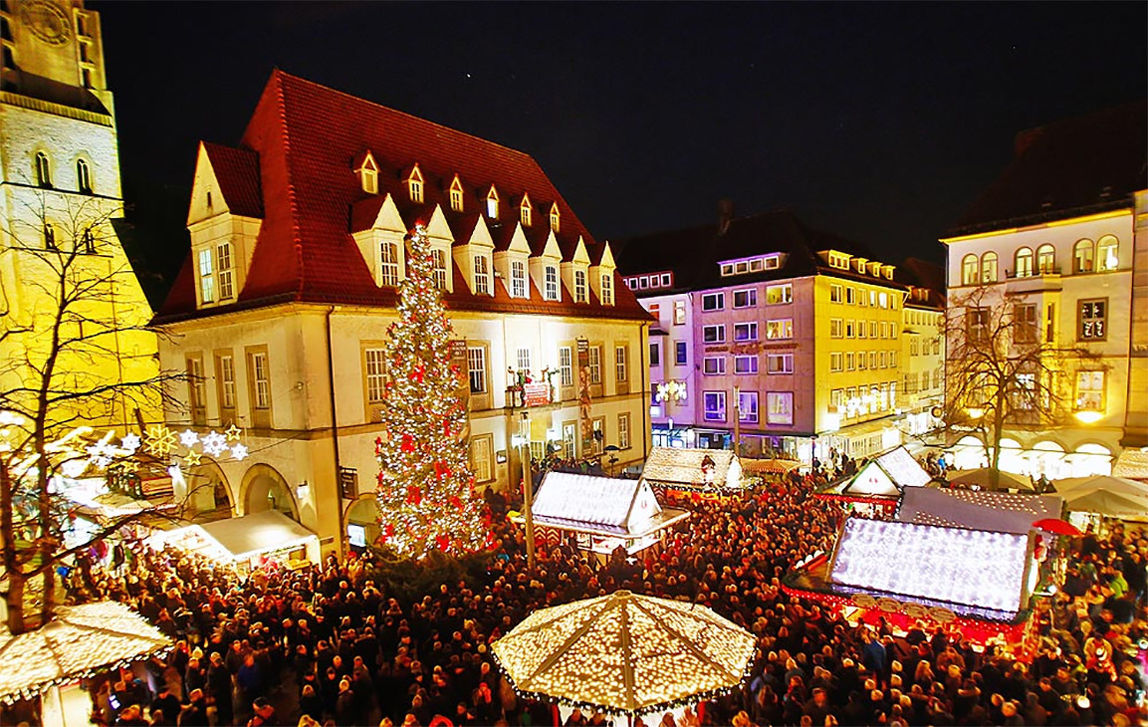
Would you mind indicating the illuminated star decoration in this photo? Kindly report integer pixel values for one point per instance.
(188, 438)
(130, 443)
(214, 443)
(160, 439)
(192, 458)
(239, 452)
(233, 433)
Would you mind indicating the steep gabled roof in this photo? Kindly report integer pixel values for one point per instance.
(306, 139)
(237, 172)
(1072, 167)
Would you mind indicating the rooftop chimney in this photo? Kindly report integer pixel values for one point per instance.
(724, 215)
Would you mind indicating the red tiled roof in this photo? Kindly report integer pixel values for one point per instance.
(306, 139)
(237, 171)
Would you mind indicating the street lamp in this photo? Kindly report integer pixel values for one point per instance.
(527, 487)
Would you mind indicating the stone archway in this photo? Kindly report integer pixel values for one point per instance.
(362, 521)
(209, 493)
(265, 489)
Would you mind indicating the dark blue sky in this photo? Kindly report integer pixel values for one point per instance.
(880, 122)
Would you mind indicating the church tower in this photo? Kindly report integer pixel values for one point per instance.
(60, 197)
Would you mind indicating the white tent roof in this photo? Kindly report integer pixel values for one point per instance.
(602, 503)
(983, 476)
(1119, 485)
(1109, 504)
(1132, 462)
(903, 468)
(247, 536)
(674, 467)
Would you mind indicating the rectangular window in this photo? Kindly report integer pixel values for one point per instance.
(1090, 391)
(893, 359)
(872, 329)
(779, 294)
(861, 366)
(262, 378)
(388, 263)
(714, 406)
(779, 407)
(713, 334)
(884, 300)
(850, 295)
(580, 286)
(623, 431)
(882, 359)
(977, 323)
(681, 358)
(481, 462)
(745, 298)
(376, 383)
(741, 267)
(476, 364)
(849, 361)
(206, 277)
(781, 363)
(747, 406)
(873, 298)
(518, 278)
(850, 328)
(223, 265)
(835, 328)
(860, 328)
(655, 354)
(713, 365)
(551, 282)
(1025, 324)
(566, 366)
(745, 331)
(779, 329)
(607, 289)
(481, 275)
(522, 358)
(836, 399)
(1093, 320)
(655, 310)
(835, 293)
(835, 361)
(226, 382)
(679, 312)
(713, 301)
(569, 439)
(439, 268)
(745, 364)
(872, 360)
(621, 353)
(595, 358)
(667, 280)
(197, 389)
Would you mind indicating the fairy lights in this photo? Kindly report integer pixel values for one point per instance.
(625, 653)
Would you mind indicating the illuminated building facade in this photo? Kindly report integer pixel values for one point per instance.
(792, 333)
(281, 309)
(1059, 239)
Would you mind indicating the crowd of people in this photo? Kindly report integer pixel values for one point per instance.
(330, 645)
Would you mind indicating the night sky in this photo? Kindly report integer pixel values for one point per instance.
(877, 122)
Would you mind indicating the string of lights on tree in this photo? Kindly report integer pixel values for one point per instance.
(426, 492)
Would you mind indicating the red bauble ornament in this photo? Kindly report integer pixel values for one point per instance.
(441, 469)
(455, 502)
(388, 531)
(379, 477)
(414, 495)
(446, 428)
(408, 444)
(443, 542)
(418, 374)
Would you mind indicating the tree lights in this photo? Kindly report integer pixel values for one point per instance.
(425, 488)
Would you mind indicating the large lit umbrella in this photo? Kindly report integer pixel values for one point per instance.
(1119, 485)
(982, 477)
(78, 642)
(625, 654)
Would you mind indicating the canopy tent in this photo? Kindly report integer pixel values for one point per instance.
(1108, 504)
(1005, 512)
(249, 536)
(77, 643)
(775, 466)
(982, 476)
(625, 653)
(879, 481)
(1132, 463)
(712, 470)
(1108, 483)
(603, 511)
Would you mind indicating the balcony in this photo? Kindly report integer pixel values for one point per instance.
(1046, 278)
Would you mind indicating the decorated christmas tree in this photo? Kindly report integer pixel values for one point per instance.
(425, 494)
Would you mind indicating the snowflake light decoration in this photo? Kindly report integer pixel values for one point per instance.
(239, 452)
(188, 438)
(214, 443)
(130, 443)
(160, 439)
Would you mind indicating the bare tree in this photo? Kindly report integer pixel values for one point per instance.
(78, 362)
(1005, 368)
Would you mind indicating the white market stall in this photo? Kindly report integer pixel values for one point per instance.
(877, 485)
(250, 540)
(598, 514)
(679, 472)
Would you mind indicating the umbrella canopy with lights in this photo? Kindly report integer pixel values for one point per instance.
(1108, 504)
(983, 476)
(78, 642)
(1118, 485)
(625, 653)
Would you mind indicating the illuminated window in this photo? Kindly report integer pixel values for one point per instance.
(43, 170)
(565, 366)
(782, 363)
(555, 217)
(747, 406)
(518, 278)
(779, 407)
(415, 185)
(580, 286)
(607, 289)
(523, 359)
(714, 406)
(224, 270)
(388, 263)
(621, 355)
(376, 387)
(476, 365)
(440, 270)
(595, 359)
(492, 203)
(84, 176)
(1090, 391)
(456, 195)
(261, 377)
(206, 277)
(969, 270)
(550, 282)
(481, 275)
(782, 328)
(1046, 260)
(1092, 324)
(679, 312)
(1107, 253)
(779, 294)
(524, 211)
(623, 431)
(1022, 263)
(1082, 260)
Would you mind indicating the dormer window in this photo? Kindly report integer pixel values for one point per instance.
(555, 217)
(439, 268)
(492, 203)
(388, 263)
(206, 277)
(525, 210)
(518, 278)
(579, 286)
(83, 176)
(456, 195)
(369, 175)
(224, 270)
(481, 275)
(551, 282)
(415, 185)
(607, 289)
(43, 170)
(838, 260)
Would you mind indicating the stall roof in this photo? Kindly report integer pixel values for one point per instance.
(261, 532)
(600, 504)
(883, 477)
(1132, 463)
(976, 572)
(1004, 512)
(682, 468)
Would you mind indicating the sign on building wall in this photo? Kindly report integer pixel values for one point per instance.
(587, 424)
(536, 394)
